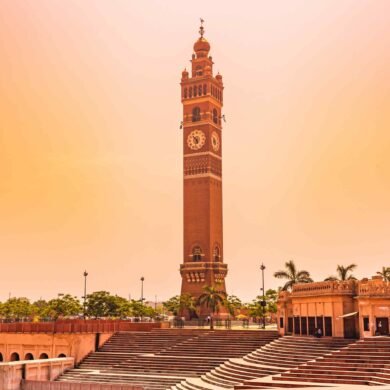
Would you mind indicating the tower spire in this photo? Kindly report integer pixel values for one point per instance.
(201, 29)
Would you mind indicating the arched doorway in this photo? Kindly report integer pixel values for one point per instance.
(29, 356)
(62, 355)
(43, 356)
(14, 357)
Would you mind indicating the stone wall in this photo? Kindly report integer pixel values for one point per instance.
(42, 385)
(77, 345)
(11, 374)
(79, 326)
(27, 345)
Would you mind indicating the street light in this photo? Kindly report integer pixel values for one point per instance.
(142, 289)
(263, 303)
(85, 293)
(142, 296)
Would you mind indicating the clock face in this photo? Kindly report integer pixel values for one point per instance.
(215, 141)
(196, 139)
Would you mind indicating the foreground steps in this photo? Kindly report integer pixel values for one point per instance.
(273, 358)
(365, 363)
(159, 359)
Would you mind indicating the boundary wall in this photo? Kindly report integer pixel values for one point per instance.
(43, 385)
(12, 374)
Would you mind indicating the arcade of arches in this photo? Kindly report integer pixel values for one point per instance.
(41, 346)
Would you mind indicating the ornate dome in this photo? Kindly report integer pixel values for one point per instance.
(202, 47)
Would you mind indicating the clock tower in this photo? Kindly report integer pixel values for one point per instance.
(202, 99)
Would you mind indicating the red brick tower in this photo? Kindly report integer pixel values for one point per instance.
(202, 98)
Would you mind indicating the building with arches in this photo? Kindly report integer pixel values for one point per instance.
(348, 309)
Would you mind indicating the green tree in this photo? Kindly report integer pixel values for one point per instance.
(17, 309)
(172, 305)
(385, 273)
(103, 304)
(139, 309)
(292, 275)
(233, 304)
(342, 273)
(40, 309)
(64, 306)
(256, 309)
(212, 299)
(100, 304)
(187, 302)
(179, 303)
(121, 307)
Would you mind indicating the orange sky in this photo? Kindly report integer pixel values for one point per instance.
(91, 156)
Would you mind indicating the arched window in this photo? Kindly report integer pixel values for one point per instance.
(216, 253)
(215, 116)
(185, 93)
(196, 114)
(14, 357)
(200, 90)
(29, 356)
(204, 89)
(190, 92)
(1, 357)
(195, 91)
(43, 356)
(62, 355)
(197, 253)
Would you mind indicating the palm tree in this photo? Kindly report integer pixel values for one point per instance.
(213, 299)
(342, 273)
(385, 273)
(293, 275)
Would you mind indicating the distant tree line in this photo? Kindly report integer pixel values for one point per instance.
(99, 304)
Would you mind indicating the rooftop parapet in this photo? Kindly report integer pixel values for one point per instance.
(375, 287)
(347, 287)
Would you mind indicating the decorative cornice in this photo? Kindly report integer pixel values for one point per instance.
(203, 154)
(201, 123)
(203, 175)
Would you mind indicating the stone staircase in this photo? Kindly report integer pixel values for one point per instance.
(273, 358)
(366, 362)
(164, 357)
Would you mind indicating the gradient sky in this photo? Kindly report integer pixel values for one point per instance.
(91, 151)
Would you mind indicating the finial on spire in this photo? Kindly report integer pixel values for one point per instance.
(201, 30)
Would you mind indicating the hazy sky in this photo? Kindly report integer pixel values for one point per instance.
(91, 150)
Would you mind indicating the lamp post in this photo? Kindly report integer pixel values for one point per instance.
(85, 293)
(263, 303)
(142, 297)
(142, 289)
